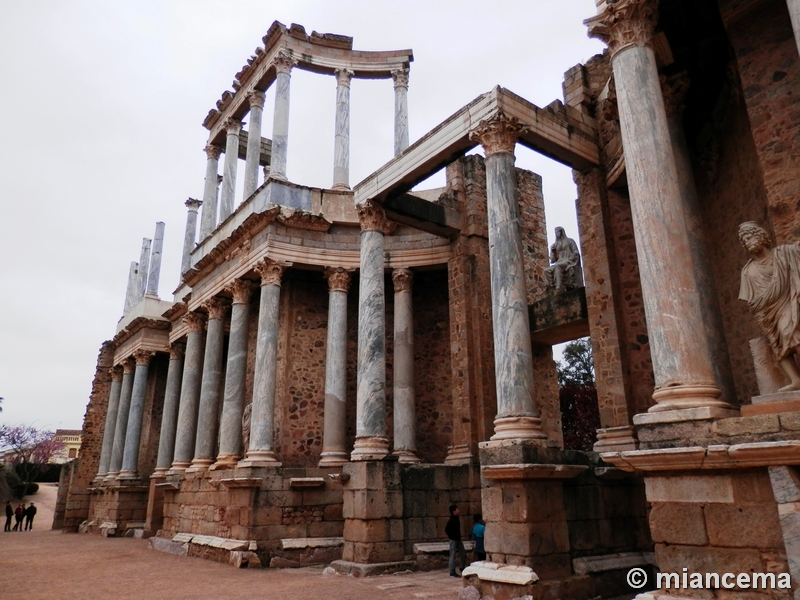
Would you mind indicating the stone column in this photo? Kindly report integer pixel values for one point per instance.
(283, 64)
(155, 261)
(517, 416)
(132, 291)
(118, 445)
(371, 441)
(210, 387)
(230, 436)
(144, 265)
(133, 433)
(679, 343)
(400, 77)
(261, 452)
(169, 418)
(341, 147)
(794, 13)
(334, 452)
(405, 422)
(111, 422)
(191, 233)
(256, 100)
(232, 127)
(190, 393)
(209, 221)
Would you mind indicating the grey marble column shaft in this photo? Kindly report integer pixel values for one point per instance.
(155, 261)
(233, 127)
(209, 220)
(210, 386)
(262, 425)
(132, 290)
(794, 14)
(133, 433)
(341, 148)
(256, 99)
(144, 269)
(230, 436)
(118, 446)
(190, 394)
(111, 423)
(280, 121)
(334, 452)
(191, 233)
(405, 422)
(400, 77)
(169, 417)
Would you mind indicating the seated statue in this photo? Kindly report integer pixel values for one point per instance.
(565, 271)
(771, 287)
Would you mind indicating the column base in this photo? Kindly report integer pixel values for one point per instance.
(519, 428)
(225, 461)
(200, 464)
(334, 459)
(681, 397)
(703, 413)
(341, 186)
(277, 176)
(370, 448)
(179, 468)
(616, 439)
(159, 473)
(406, 456)
(100, 478)
(111, 477)
(459, 455)
(259, 458)
(127, 474)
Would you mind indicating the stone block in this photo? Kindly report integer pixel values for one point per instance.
(584, 535)
(322, 496)
(417, 477)
(678, 523)
(790, 421)
(325, 529)
(284, 498)
(380, 552)
(674, 558)
(689, 488)
(270, 515)
(747, 425)
(376, 504)
(332, 512)
(681, 430)
(755, 526)
(785, 484)
(511, 452)
(551, 566)
(492, 504)
(366, 531)
(373, 475)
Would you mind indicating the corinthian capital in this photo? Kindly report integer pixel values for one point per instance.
(339, 279)
(400, 77)
(193, 204)
(625, 23)
(233, 126)
(343, 76)
(498, 133)
(402, 279)
(256, 98)
(271, 271)
(194, 321)
(177, 350)
(213, 151)
(142, 357)
(128, 365)
(240, 290)
(372, 218)
(284, 62)
(116, 373)
(216, 308)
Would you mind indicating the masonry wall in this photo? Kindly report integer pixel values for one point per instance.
(153, 410)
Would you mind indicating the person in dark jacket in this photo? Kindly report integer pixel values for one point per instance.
(30, 512)
(453, 531)
(19, 513)
(9, 514)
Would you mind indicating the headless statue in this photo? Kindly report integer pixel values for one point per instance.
(565, 271)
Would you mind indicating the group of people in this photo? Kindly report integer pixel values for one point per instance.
(453, 532)
(19, 514)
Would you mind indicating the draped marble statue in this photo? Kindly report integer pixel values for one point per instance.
(771, 287)
(565, 271)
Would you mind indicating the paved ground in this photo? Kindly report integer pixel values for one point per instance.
(45, 565)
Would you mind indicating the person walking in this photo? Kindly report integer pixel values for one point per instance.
(30, 512)
(453, 532)
(478, 533)
(9, 514)
(18, 514)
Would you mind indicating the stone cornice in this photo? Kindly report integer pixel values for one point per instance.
(499, 133)
(176, 311)
(625, 23)
(339, 279)
(721, 456)
(403, 280)
(532, 471)
(301, 219)
(137, 325)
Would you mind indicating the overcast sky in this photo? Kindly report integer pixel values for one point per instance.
(102, 103)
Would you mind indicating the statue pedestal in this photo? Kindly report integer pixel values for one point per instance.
(769, 404)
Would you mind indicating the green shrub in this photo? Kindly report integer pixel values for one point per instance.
(32, 489)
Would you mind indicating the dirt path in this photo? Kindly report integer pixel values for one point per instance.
(50, 565)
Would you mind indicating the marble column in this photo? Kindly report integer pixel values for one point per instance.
(341, 147)
(191, 233)
(210, 387)
(283, 64)
(230, 428)
(405, 422)
(209, 220)
(190, 393)
(400, 77)
(111, 422)
(118, 445)
(261, 452)
(679, 343)
(232, 128)
(132, 291)
(256, 100)
(169, 417)
(133, 433)
(517, 415)
(144, 264)
(334, 452)
(794, 14)
(155, 261)
(371, 441)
